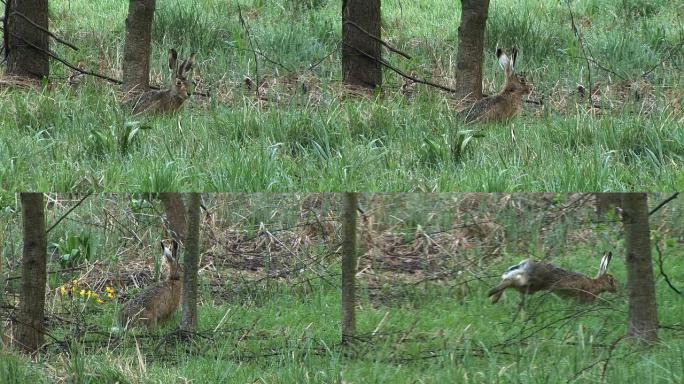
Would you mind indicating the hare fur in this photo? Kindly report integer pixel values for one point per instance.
(156, 303)
(171, 99)
(505, 104)
(529, 277)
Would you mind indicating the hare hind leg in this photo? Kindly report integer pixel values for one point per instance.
(496, 292)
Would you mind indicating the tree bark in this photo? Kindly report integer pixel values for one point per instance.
(29, 331)
(643, 316)
(359, 19)
(191, 264)
(26, 39)
(136, 65)
(349, 206)
(175, 214)
(471, 34)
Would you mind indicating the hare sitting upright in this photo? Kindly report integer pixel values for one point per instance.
(159, 301)
(504, 104)
(168, 100)
(531, 276)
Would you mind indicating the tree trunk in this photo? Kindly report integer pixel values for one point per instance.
(29, 331)
(643, 316)
(136, 65)
(359, 19)
(191, 263)
(471, 34)
(350, 206)
(175, 214)
(26, 42)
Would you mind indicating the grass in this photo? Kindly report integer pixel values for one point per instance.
(418, 319)
(429, 336)
(325, 139)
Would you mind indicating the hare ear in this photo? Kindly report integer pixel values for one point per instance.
(514, 57)
(175, 250)
(173, 59)
(503, 60)
(187, 64)
(605, 260)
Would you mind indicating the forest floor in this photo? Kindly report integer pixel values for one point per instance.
(297, 128)
(270, 295)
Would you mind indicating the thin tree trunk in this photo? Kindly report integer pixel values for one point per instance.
(350, 206)
(136, 65)
(29, 331)
(470, 54)
(643, 316)
(175, 214)
(191, 263)
(25, 38)
(359, 19)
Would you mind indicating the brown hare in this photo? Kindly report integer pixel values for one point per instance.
(159, 301)
(168, 100)
(531, 276)
(504, 104)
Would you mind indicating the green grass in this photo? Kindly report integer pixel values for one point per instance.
(65, 140)
(427, 336)
(253, 328)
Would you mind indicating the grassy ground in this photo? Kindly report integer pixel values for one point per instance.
(419, 320)
(309, 133)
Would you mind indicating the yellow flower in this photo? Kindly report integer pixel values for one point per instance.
(110, 295)
(100, 301)
(109, 290)
(90, 293)
(62, 290)
(83, 292)
(95, 294)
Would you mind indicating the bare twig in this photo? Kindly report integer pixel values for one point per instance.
(399, 72)
(610, 354)
(577, 33)
(674, 49)
(249, 39)
(68, 212)
(43, 29)
(376, 38)
(662, 269)
(54, 56)
(662, 204)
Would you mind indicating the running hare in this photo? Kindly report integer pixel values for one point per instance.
(531, 276)
(168, 100)
(504, 104)
(159, 301)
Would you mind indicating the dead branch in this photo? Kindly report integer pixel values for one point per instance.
(68, 212)
(243, 23)
(43, 29)
(673, 50)
(662, 204)
(577, 33)
(376, 38)
(662, 269)
(399, 72)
